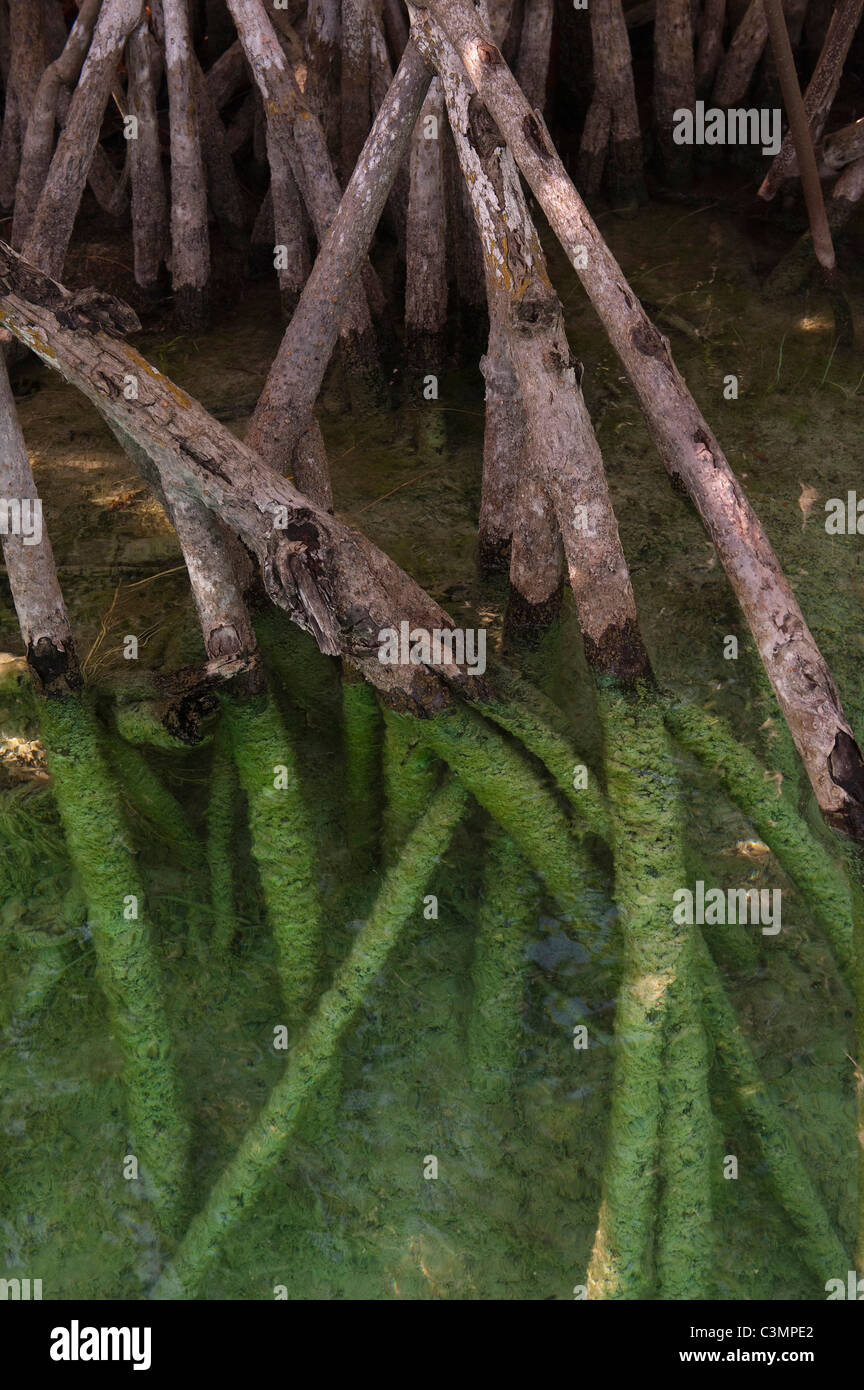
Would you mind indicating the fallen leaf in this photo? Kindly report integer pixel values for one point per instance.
(809, 495)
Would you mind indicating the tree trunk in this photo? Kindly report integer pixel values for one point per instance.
(227, 75)
(503, 441)
(674, 83)
(562, 482)
(323, 67)
(149, 201)
(612, 123)
(532, 68)
(190, 233)
(39, 139)
(798, 674)
(30, 566)
(710, 43)
(426, 260)
(295, 139)
(744, 53)
(60, 199)
(821, 90)
(327, 576)
(283, 412)
(223, 186)
(355, 101)
(26, 62)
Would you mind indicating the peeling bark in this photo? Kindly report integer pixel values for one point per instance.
(331, 580)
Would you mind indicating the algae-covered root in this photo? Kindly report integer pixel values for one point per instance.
(411, 772)
(221, 817)
(361, 733)
(282, 843)
(744, 779)
(652, 1009)
(264, 1143)
(99, 847)
(787, 1174)
(501, 779)
(507, 914)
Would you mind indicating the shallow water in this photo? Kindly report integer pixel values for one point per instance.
(513, 1210)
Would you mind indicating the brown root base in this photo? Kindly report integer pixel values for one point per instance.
(425, 350)
(493, 554)
(625, 180)
(620, 653)
(527, 622)
(191, 308)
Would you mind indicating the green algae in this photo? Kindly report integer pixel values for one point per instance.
(503, 782)
(804, 859)
(314, 1052)
(410, 771)
(507, 914)
(221, 819)
(151, 798)
(821, 1248)
(282, 843)
(128, 970)
(361, 733)
(654, 1021)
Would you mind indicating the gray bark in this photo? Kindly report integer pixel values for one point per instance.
(354, 84)
(612, 123)
(149, 200)
(674, 82)
(426, 259)
(323, 65)
(532, 68)
(331, 580)
(190, 233)
(744, 53)
(26, 61)
(284, 410)
(32, 573)
(39, 138)
(60, 199)
(801, 680)
(821, 90)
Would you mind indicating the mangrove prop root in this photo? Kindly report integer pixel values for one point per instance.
(684, 1246)
(538, 724)
(152, 799)
(282, 843)
(99, 848)
(855, 863)
(790, 1182)
(652, 1007)
(500, 779)
(361, 728)
(745, 782)
(265, 1142)
(221, 808)
(410, 777)
(508, 913)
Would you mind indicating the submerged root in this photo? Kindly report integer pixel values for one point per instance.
(282, 843)
(221, 821)
(264, 1143)
(653, 1009)
(508, 913)
(99, 848)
